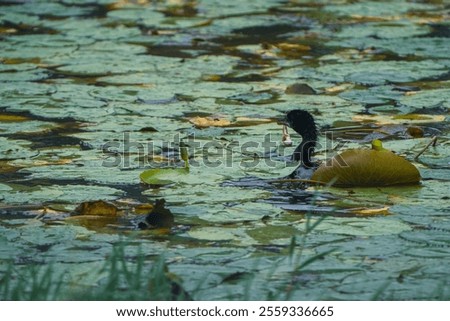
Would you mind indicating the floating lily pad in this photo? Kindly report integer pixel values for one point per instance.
(97, 208)
(362, 167)
(164, 176)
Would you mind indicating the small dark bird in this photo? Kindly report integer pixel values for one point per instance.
(159, 217)
(303, 123)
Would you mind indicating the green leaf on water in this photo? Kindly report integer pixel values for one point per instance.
(164, 176)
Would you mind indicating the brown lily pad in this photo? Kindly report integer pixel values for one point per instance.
(97, 208)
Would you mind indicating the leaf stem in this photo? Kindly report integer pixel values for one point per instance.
(433, 142)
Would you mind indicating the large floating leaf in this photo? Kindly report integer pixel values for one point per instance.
(364, 167)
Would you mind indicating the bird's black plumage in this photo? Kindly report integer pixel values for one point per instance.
(303, 123)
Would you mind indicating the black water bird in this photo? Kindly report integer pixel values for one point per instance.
(352, 167)
(303, 123)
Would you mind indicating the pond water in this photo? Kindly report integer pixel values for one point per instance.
(94, 93)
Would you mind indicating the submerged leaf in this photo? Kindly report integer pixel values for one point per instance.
(371, 211)
(364, 167)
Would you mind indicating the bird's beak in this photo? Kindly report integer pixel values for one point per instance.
(283, 121)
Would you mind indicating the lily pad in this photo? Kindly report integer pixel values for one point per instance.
(97, 208)
(164, 176)
(362, 167)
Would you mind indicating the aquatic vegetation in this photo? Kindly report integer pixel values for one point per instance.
(113, 100)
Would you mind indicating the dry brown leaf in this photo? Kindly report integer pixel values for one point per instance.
(338, 88)
(5, 118)
(97, 208)
(361, 18)
(7, 30)
(143, 209)
(292, 47)
(5, 167)
(399, 119)
(371, 211)
(212, 77)
(248, 121)
(160, 159)
(204, 122)
(420, 117)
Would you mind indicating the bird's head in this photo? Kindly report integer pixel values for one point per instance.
(302, 122)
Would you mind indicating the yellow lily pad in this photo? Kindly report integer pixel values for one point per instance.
(367, 167)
